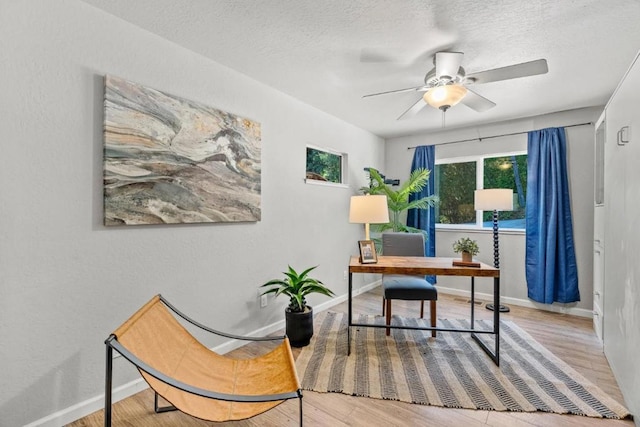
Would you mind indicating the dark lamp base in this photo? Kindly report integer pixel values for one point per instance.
(501, 308)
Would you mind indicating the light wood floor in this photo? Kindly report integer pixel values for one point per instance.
(568, 337)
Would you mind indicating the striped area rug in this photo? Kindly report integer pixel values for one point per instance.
(450, 370)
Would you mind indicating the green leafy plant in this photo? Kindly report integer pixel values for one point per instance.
(465, 244)
(398, 200)
(296, 286)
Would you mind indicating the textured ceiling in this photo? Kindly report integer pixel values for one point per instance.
(328, 53)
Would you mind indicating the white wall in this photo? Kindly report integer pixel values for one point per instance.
(65, 280)
(512, 245)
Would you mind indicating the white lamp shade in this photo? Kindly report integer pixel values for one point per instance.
(369, 209)
(494, 199)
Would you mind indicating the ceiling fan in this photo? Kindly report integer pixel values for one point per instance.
(446, 84)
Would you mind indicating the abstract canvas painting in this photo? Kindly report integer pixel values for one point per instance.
(168, 160)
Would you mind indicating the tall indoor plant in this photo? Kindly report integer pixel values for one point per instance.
(398, 200)
(298, 315)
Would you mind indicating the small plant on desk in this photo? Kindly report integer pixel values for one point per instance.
(467, 247)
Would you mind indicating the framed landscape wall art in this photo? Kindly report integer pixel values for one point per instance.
(168, 160)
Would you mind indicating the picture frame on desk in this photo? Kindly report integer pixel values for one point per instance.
(368, 253)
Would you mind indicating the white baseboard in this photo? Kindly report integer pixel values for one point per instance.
(89, 406)
(94, 404)
(555, 308)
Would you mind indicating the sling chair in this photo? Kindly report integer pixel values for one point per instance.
(194, 379)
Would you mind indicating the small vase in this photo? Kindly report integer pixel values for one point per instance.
(467, 257)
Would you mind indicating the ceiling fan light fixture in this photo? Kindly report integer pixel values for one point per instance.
(445, 96)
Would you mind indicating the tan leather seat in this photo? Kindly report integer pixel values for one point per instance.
(157, 342)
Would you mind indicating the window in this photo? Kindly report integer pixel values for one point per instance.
(455, 184)
(325, 166)
(456, 180)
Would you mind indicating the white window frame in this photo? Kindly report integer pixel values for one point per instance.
(343, 167)
(479, 159)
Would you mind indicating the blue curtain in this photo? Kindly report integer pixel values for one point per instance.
(551, 269)
(425, 219)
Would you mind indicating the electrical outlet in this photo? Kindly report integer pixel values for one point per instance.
(263, 301)
(344, 275)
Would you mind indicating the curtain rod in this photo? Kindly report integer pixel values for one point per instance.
(480, 138)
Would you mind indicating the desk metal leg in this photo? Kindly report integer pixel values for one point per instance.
(350, 298)
(495, 354)
(473, 301)
(496, 317)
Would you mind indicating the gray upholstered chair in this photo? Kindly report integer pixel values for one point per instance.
(402, 287)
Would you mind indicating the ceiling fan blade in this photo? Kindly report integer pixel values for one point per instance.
(383, 55)
(413, 110)
(448, 64)
(409, 89)
(477, 102)
(524, 69)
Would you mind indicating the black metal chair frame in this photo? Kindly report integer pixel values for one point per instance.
(113, 344)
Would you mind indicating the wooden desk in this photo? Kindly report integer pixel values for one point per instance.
(424, 266)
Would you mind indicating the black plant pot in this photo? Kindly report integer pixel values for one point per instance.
(299, 327)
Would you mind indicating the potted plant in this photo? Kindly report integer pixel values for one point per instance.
(398, 200)
(467, 247)
(298, 315)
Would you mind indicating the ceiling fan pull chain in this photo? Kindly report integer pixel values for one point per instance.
(443, 123)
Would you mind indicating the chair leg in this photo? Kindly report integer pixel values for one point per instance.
(300, 399)
(388, 316)
(432, 311)
(159, 409)
(421, 309)
(108, 386)
(384, 302)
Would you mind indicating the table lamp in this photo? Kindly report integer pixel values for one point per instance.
(494, 199)
(368, 209)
